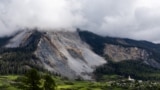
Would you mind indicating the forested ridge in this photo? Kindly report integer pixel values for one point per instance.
(135, 68)
(18, 60)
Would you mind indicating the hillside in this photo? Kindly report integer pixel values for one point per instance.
(140, 59)
(78, 54)
(119, 49)
(61, 53)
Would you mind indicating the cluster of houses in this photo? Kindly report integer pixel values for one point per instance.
(133, 80)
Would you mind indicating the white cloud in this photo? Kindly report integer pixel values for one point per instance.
(44, 14)
(136, 19)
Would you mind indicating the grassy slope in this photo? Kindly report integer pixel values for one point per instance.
(62, 84)
(5, 82)
(110, 82)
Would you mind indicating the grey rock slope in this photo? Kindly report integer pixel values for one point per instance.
(61, 52)
(75, 54)
(118, 53)
(119, 49)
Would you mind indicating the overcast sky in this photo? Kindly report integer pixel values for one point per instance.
(136, 19)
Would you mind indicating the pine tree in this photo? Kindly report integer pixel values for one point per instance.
(49, 83)
(31, 81)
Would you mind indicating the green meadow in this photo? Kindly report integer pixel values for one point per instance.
(109, 82)
(7, 83)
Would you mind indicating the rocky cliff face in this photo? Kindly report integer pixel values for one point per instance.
(74, 54)
(61, 52)
(21, 39)
(119, 49)
(118, 53)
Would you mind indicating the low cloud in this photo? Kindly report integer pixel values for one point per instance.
(135, 19)
(43, 14)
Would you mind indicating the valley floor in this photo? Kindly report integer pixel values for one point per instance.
(112, 82)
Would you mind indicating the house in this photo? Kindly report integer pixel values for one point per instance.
(130, 79)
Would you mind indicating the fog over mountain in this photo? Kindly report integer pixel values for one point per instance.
(136, 19)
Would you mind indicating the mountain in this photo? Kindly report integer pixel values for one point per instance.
(121, 49)
(76, 54)
(126, 57)
(60, 52)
